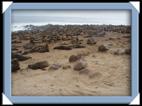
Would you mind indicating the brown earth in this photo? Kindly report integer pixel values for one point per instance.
(109, 74)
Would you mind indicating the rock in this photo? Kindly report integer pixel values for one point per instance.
(77, 85)
(76, 41)
(87, 36)
(74, 58)
(63, 47)
(128, 51)
(84, 71)
(40, 48)
(15, 65)
(38, 65)
(100, 34)
(109, 45)
(119, 51)
(80, 65)
(25, 52)
(111, 38)
(19, 51)
(54, 67)
(16, 41)
(14, 48)
(64, 43)
(20, 57)
(66, 66)
(78, 46)
(93, 55)
(126, 36)
(102, 48)
(28, 46)
(118, 38)
(91, 41)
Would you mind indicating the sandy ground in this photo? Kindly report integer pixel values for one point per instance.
(110, 73)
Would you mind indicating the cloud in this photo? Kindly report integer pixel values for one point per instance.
(70, 16)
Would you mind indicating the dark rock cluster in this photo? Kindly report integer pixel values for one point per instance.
(39, 38)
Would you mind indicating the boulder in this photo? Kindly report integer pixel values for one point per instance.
(15, 65)
(28, 46)
(128, 51)
(63, 47)
(78, 46)
(119, 51)
(74, 58)
(20, 57)
(38, 65)
(40, 48)
(102, 48)
(80, 65)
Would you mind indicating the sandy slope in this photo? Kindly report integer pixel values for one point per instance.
(111, 73)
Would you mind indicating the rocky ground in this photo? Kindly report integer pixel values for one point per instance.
(76, 66)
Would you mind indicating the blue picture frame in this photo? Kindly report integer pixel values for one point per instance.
(72, 99)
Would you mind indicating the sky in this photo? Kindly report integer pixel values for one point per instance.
(114, 17)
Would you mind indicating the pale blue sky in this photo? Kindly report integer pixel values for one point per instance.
(114, 17)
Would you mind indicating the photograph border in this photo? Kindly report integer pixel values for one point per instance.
(71, 99)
